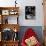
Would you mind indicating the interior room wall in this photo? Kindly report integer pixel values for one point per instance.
(38, 21)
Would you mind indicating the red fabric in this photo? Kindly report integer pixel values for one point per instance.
(28, 33)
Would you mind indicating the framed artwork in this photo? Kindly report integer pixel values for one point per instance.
(29, 12)
(5, 12)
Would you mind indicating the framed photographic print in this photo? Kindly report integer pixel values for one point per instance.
(5, 12)
(29, 12)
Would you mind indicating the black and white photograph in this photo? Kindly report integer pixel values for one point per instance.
(29, 12)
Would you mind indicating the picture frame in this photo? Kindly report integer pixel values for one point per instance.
(5, 12)
(29, 12)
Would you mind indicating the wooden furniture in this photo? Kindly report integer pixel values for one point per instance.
(6, 12)
(5, 23)
(11, 26)
(10, 43)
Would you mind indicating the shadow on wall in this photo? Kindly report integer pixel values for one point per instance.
(37, 29)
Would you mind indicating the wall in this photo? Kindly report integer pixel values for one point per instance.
(39, 13)
(38, 21)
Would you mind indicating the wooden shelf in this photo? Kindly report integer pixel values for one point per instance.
(11, 26)
(5, 8)
(9, 43)
(4, 13)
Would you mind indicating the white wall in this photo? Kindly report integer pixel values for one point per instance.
(38, 21)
